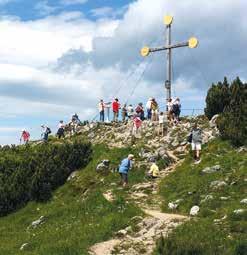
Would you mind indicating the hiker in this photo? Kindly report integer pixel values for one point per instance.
(148, 107)
(115, 109)
(153, 173)
(169, 109)
(140, 111)
(124, 112)
(25, 136)
(195, 138)
(161, 124)
(137, 122)
(101, 108)
(124, 168)
(75, 119)
(45, 133)
(154, 110)
(130, 111)
(60, 131)
(176, 110)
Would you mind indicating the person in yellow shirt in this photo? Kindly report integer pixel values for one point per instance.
(154, 171)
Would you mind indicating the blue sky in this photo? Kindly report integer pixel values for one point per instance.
(60, 57)
(27, 9)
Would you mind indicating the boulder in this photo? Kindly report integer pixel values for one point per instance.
(213, 121)
(104, 166)
(172, 206)
(194, 210)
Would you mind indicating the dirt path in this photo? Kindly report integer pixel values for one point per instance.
(148, 230)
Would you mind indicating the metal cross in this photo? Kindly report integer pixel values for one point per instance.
(191, 43)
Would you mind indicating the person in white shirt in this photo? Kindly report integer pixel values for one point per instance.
(148, 107)
(162, 120)
(169, 109)
(130, 111)
(61, 127)
(101, 107)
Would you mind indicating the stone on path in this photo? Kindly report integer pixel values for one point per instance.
(104, 248)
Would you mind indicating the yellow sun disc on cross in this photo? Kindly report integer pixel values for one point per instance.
(193, 42)
(145, 51)
(168, 20)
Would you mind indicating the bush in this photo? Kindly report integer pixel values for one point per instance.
(233, 122)
(31, 173)
(217, 99)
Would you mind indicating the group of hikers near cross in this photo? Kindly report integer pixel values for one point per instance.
(137, 114)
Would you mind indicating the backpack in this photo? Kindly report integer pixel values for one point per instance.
(175, 108)
(48, 130)
(189, 139)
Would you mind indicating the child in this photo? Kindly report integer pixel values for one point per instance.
(137, 122)
(161, 124)
(154, 171)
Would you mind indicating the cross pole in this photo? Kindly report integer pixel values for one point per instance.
(191, 43)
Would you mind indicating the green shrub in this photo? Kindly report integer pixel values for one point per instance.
(233, 122)
(32, 172)
(217, 99)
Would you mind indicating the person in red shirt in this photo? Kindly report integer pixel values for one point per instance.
(115, 109)
(25, 136)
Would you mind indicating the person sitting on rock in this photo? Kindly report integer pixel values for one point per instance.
(196, 142)
(124, 168)
(154, 171)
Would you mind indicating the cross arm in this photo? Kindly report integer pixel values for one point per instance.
(178, 45)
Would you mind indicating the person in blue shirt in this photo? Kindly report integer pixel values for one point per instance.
(124, 168)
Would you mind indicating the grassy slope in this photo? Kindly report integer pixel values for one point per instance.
(75, 219)
(202, 235)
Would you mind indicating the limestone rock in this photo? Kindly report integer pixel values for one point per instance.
(239, 211)
(213, 169)
(217, 184)
(38, 222)
(243, 201)
(24, 246)
(194, 210)
(103, 167)
(213, 121)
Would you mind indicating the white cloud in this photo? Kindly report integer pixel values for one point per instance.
(63, 63)
(44, 8)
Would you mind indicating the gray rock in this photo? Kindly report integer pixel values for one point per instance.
(38, 222)
(224, 198)
(213, 169)
(207, 198)
(239, 211)
(213, 121)
(194, 210)
(217, 184)
(122, 233)
(243, 201)
(24, 246)
(73, 175)
(103, 166)
(172, 206)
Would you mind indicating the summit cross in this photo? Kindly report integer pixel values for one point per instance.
(191, 43)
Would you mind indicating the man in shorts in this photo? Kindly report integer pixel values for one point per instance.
(124, 168)
(196, 142)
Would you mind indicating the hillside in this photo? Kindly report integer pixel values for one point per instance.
(91, 208)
